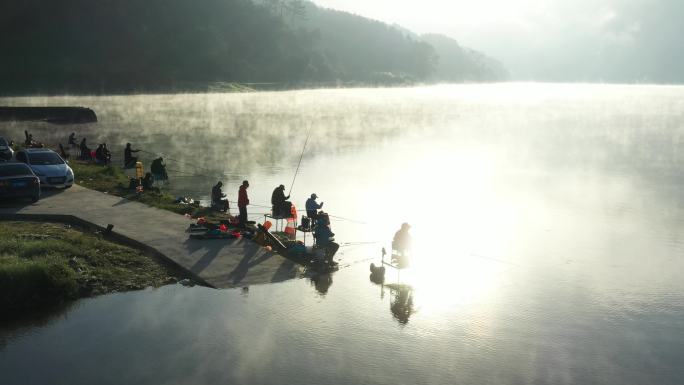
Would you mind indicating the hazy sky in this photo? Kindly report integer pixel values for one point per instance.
(612, 40)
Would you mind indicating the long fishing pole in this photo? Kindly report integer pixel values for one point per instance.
(308, 132)
(207, 173)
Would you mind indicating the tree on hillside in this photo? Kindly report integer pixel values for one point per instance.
(295, 8)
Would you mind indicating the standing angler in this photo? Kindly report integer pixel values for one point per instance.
(129, 159)
(243, 201)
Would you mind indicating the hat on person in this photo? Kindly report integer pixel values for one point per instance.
(314, 196)
(282, 187)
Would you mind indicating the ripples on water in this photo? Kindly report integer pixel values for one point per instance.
(547, 224)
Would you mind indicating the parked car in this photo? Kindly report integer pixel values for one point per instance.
(52, 170)
(18, 181)
(6, 152)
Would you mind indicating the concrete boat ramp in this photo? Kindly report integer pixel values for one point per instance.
(217, 263)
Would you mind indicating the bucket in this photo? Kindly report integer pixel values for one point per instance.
(290, 229)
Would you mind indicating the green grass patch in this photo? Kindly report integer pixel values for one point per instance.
(100, 178)
(47, 263)
(113, 180)
(31, 283)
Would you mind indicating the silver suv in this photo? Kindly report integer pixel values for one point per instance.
(52, 170)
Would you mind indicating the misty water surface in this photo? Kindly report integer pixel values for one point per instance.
(546, 218)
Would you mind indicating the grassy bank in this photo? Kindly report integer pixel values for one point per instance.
(113, 180)
(44, 264)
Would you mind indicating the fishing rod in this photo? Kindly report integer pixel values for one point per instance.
(308, 132)
(190, 175)
(348, 219)
(348, 244)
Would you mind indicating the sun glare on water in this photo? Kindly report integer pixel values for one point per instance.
(450, 227)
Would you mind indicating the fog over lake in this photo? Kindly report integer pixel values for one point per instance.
(546, 220)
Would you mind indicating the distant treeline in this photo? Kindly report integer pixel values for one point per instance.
(113, 46)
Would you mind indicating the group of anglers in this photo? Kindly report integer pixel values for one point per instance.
(103, 156)
(317, 221)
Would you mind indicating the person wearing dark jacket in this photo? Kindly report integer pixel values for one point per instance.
(217, 198)
(129, 159)
(281, 207)
(147, 181)
(100, 155)
(85, 151)
(243, 201)
(62, 152)
(325, 238)
(107, 154)
(72, 140)
(158, 169)
(312, 207)
(402, 239)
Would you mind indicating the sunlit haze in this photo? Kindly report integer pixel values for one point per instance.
(344, 192)
(579, 40)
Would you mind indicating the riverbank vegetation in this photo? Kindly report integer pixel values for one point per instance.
(176, 45)
(113, 180)
(46, 264)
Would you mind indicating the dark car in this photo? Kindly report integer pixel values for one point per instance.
(6, 151)
(18, 181)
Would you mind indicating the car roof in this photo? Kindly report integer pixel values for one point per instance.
(3, 164)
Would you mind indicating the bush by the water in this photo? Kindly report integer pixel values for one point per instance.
(30, 283)
(48, 263)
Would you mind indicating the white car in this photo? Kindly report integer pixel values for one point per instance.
(48, 166)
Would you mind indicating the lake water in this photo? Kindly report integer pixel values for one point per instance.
(546, 218)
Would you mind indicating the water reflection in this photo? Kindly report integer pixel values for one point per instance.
(547, 225)
(322, 282)
(401, 302)
(401, 296)
(16, 327)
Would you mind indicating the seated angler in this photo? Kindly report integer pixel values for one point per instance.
(402, 240)
(281, 207)
(147, 182)
(158, 169)
(325, 238)
(312, 207)
(217, 198)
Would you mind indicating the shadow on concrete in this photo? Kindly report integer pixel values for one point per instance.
(122, 201)
(213, 249)
(287, 270)
(14, 205)
(250, 250)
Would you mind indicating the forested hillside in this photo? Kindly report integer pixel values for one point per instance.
(105, 46)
